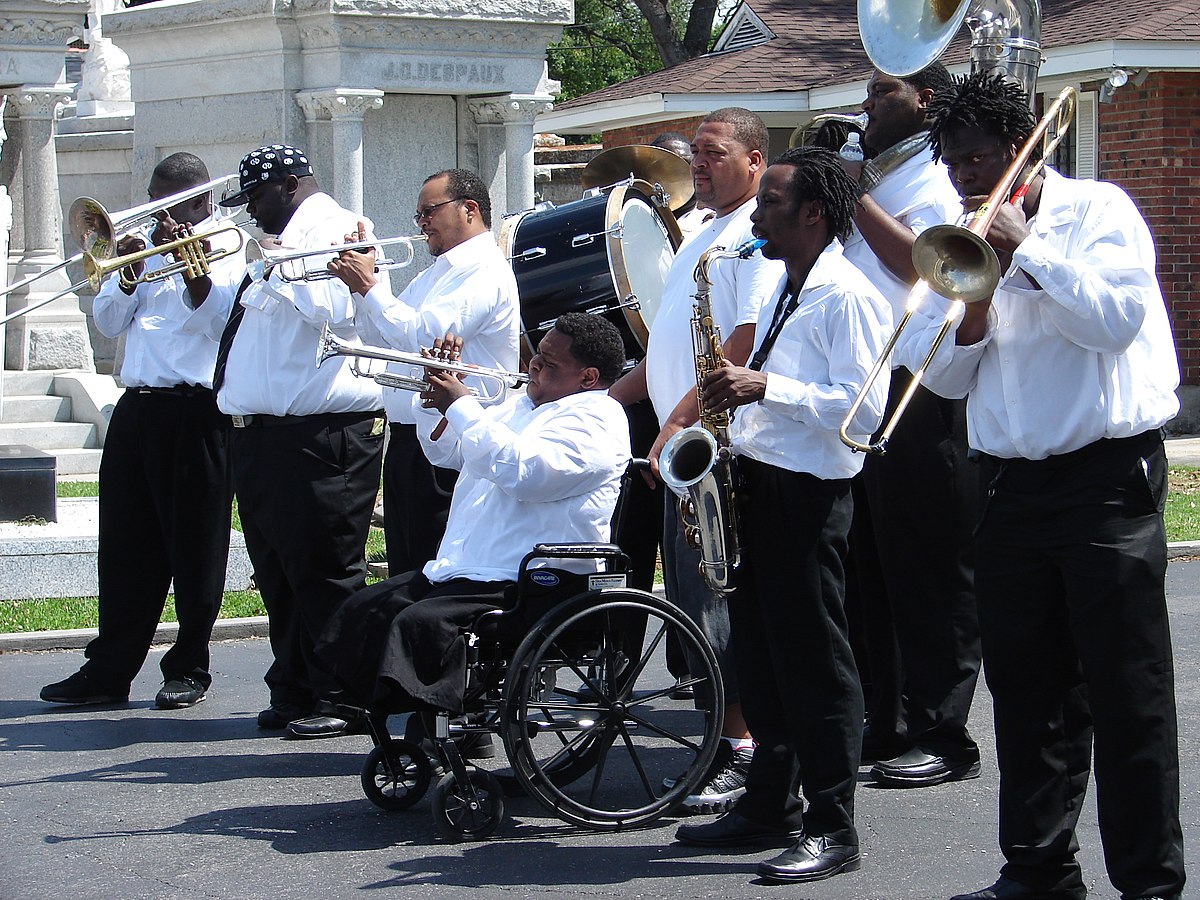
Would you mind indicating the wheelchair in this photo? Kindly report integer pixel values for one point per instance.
(563, 680)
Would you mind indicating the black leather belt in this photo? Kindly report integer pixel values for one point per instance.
(262, 420)
(179, 390)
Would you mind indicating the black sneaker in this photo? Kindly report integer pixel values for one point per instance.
(279, 715)
(180, 693)
(725, 783)
(82, 689)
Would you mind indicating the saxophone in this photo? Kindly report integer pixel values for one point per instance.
(697, 462)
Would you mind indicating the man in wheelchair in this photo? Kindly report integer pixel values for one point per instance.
(543, 465)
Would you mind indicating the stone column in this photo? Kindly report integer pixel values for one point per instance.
(334, 121)
(55, 336)
(513, 163)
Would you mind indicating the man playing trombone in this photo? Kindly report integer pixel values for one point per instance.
(1069, 370)
(165, 485)
(470, 291)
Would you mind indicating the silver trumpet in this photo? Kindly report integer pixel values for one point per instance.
(330, 345)
(262, 261)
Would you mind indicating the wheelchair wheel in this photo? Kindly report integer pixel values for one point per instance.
(597, 755)
(396, 775)
(467, 811)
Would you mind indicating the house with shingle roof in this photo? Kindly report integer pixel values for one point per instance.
(1135, 63)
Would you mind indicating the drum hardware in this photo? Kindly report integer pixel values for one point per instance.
(530, 254)
(631, 302)
(582, 240)
(330, 345)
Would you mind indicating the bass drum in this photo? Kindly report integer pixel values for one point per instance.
(607, 254)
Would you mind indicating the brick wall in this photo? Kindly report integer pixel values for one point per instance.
(1150, 145)
(644, 134)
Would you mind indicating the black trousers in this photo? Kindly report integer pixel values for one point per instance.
(800, 691)
(922, 497)
(416, 501)
(165, 499)
(1077, 652)
(306, 490)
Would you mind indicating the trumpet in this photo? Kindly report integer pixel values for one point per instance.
(264, 261)
(330, 345)
(97, 231)
(193, 260)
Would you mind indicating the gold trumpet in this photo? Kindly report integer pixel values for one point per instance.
(193, 260)
(263, 261)
(959, 264)
(97, 231)
(330, 345)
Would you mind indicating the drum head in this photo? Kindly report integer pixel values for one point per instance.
(642, 239)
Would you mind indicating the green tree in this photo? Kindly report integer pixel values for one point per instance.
(615, 40)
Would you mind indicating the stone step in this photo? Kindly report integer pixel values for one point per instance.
(59, 559)
(78, 465)
(27, 383)
(21, 408)
(49, 436)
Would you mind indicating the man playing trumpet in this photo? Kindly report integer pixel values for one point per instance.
(470, 291)
(165, 484)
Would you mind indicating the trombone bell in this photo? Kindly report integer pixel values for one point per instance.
(956, 263)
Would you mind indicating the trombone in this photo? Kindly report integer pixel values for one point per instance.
(263, 261)
(956, 262)
(96, 231)
(330, 345)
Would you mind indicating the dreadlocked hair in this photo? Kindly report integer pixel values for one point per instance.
(817, 175)
(985, 101)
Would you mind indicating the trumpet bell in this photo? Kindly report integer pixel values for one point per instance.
(956, 263)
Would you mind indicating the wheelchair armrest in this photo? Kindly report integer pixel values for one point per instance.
(565, 551)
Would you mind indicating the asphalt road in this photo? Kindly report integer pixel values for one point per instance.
(131, 802)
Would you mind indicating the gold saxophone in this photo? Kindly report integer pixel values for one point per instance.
(698, 461)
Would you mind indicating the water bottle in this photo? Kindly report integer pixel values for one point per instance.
(852, 150)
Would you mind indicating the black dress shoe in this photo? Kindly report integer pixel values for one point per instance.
(325, 727)
(1007, 889)
(733, 830)
(82, 689)
(813, 858)
(916, 768)
(278, 716)
(180, 693)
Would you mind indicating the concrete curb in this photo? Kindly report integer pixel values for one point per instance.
(77, 638)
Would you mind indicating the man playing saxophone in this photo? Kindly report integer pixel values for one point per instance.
(814, 346)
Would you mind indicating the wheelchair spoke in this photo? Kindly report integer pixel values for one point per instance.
(606, 741)
(662, 732)
(637, 763)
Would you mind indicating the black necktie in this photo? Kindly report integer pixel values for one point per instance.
(231, 326)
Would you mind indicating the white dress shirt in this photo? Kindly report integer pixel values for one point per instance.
(529, 475)
(1089, 354)
(272, 365)
(740, 287)
(919, 194)
(814, 371)
(167, 342)
(469, 290)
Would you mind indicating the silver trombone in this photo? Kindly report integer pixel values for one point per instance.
(330, 345)
(97, 232)
(262, 261)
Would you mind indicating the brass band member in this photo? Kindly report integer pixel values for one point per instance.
(306, 440)
(1069, 372)
(165, 485)
(814, 346)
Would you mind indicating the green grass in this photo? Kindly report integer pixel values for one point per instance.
(1182, 521)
